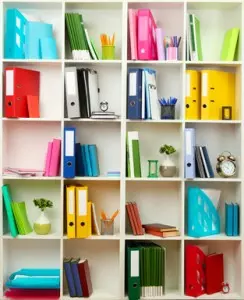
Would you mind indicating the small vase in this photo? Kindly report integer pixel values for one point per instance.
(167, 168)
(42, 225)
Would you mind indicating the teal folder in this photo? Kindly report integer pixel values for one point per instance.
(229, 219)
(88, 161)
(94, 160)
(235, 219)
(7, 202)
(48, 48)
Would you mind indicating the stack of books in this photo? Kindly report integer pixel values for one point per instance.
(232, 219)
(134, 218)
(161, 230)
(52, 161)
(86, 159)
(80, 43)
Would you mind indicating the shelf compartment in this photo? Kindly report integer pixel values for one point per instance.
(165, 196)
(105, 196)
(232, 266)
(218, 138)
(230, 192)
(25, 144)
(215, 19)
(97, 18)
(103, 264)
(24, 191)
(152, 136)
(99, 134)
(51, 95)
(48, 12)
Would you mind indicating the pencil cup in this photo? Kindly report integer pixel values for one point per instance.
(107, 227)
(108, 52)
(167, 112)
(172, 53)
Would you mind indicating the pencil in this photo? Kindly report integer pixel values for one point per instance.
(115, 214)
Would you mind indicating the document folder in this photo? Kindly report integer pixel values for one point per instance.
(193, 95)
(134, 101)
(82, 212)
(133, 272)
(71, 214)
(190, 143)
(69, 152)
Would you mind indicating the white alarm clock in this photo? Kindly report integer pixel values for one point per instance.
(226, 166)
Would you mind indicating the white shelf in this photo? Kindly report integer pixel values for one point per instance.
(43, 178)
(30, 120)
(93, 120)
(95, 62)
(34, 236)
(226, 180)
(149, 237)
(217, 237)
(100, 237)
(154, 121)
(155, 62)
(100, 178)
(33, 61)
(164, 179)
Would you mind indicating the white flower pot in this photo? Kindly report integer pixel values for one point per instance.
(42, 225)
(167, 168)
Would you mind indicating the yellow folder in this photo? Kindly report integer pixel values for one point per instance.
(193, 95)
(89, 225)
(70, 208)
(218, 90)
(81, 211)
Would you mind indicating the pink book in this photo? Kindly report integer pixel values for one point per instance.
(48, 159)
(133, 33)
(55, 158)
(146, 35)
(160, 43)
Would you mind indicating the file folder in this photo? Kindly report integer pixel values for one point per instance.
(71, 214)
(133, 33)
(54, 168)
(14, 37)
(69, 277)
(93, 90)
(48, 48)
(160, 43)
(190, 143)
(133, 272)
(214, 273)
(89, 218)
(193, 95)
(19, 83)
(82, 212)
(146, 35)
(235, 219)
(94, 160)
(230, 42)
(48, 158)
(69, 152)
(152, 104)
(72, 93)
(134, 100)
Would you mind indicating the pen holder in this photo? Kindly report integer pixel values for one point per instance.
(108, 52)
(172, 53)
(107, 227)
(167, 112)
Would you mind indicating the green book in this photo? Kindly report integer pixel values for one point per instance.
(69, 31)
(20, 215)
(134, 160)
(229, 48)
(195, 37)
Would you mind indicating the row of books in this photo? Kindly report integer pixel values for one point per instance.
(142, 96)
(16, 213)
(86, 159)
(78, 278)
(146, 267)
(232, 219)
(81, 221)
(81, 45)
(203, 165)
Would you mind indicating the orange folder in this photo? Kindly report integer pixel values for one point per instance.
(33, 106)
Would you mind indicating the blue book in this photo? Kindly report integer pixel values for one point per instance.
(229, 219)
(235, 219)
(48, 48)
(79, 168)
(94, 160)
(83, 156)
(88, 161)
(35, 31)
(14, 36)
(69, 277)
(75, 272)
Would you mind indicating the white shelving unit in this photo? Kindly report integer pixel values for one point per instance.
(24, 141)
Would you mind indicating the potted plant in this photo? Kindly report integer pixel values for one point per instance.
(167, 168)
(42, 224)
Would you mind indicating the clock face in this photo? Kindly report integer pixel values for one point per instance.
(104, 106)
(228, 168)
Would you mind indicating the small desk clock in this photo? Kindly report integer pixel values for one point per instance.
(226, 166)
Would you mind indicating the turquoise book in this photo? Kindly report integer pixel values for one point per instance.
(229, 219)
(94, 160)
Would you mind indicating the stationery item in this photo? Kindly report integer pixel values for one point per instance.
(85, 278)
(108, 48)
(164, 234)
(236, 217)
(88, 161)
(69, 152)
(214, 273)
(138, 223)
(83, 155)
(200, 172)
(113, 173)
(79, 162)
(72, 93)
(193, 95)
(159, 227)
(92, 50)
(48, 158)
(195, 38)
(206, 162)
(19, 83)
(133, 149)
(93, 89)
(34, 279)
(7, 199)
(81, 211)
(160, 44)
(133, 33)
(95, 228)
(14, 37)
(48, 48)
(171, 46)
(229, 218)
(94, 160)
(33, 106)
(146, 35)
(32, 293)
(21, 218)
(75, 273)
(152, 106)
(71, 211)
(133, 272)
(229, 47)
(131, 217)
(190, 143)
(69, 277)
(54, 169)
(35, 32)
(107, 227)
(89, 222)
(134, 100)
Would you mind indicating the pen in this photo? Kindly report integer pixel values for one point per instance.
(115, 214)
